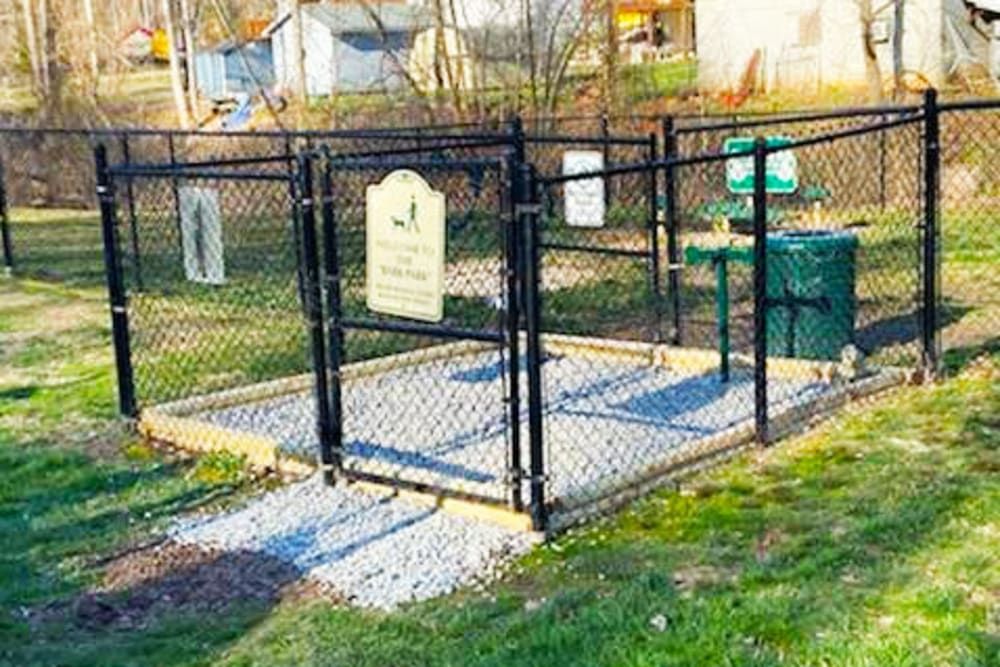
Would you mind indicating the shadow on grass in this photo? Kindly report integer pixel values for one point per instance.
(957, 359)
(151, 599)
(62, 514)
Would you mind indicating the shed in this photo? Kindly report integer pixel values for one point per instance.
(348, 47)
(231, 69)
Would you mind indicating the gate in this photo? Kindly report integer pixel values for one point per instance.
(418, 395)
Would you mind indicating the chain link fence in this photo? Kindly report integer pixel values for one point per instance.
(614, 306)
(969, 231)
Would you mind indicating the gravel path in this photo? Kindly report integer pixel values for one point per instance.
(373, 550)
(443, 422)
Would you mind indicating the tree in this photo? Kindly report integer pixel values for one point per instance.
(176, 81)
(31, 41)
(94, 61)
(611, 52)
(293, 7)
(868, 14)
(189, 29)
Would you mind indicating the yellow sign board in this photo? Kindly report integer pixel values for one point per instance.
(405, 247)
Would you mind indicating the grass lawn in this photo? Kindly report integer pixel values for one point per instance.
(871, 541)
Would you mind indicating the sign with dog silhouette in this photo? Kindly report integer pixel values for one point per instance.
(405, 247)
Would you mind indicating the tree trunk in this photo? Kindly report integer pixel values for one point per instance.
(189, 29)
(532, 53)
(610, 57)
(899, 22)
(95, 66)
(176, 81)
(45, 48)
(297, 52)
(873, 71)
(31, 40)
(443, 62)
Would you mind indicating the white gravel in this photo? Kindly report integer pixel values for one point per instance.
(375, 550)
(443, 422)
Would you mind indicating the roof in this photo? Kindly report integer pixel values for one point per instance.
(229, 45)
(353, 18)
(986, 5)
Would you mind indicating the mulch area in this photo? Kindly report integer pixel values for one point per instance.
(173, 578)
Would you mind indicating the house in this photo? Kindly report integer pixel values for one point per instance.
(651, 29)
(348, 47)
(813, 44)
(231, 69)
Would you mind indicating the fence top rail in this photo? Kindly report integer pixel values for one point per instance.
(909, 119)
(614, 140)
(721, 116)
(445, 164)
(971, 105)
(796, 119)
(224, 162)
(375, 134)
(128, 170)
(327, 151)
(718, 156)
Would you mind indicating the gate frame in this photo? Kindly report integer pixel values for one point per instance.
(515, 190)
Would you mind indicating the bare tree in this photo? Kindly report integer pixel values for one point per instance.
(46, 38)
(94, 61)
(564, 29)
(297, 50)
(868, 14)
(176, 81)
(31, 41)
(611, 53)
(189, 29)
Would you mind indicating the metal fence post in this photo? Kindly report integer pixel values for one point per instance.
(332, 456)
(8, 247)
(116, 286)
(175, 188)
(882, 187)
(512, 235)
(133, 223)
(760, 301)
(528, 213)
(932, 184)
(670, 222)
(313, 307)
(296, 230)
(606, 156)
(654, 237)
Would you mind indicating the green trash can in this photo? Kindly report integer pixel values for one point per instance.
(810, 291)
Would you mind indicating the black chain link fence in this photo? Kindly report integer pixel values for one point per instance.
(614, 305)
(969, 231)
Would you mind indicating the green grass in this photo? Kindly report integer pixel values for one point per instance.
(653, 81)
(872, 541)
(60, 245)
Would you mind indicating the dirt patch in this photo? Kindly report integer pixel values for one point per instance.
(173, 578)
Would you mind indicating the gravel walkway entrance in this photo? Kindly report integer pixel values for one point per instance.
(372, 550)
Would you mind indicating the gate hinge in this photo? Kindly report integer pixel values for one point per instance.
(527, 209)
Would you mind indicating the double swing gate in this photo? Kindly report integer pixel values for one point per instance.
(587, 330)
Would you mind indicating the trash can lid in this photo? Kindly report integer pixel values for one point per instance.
(812, 239)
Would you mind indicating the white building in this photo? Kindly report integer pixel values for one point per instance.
(818, 43)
